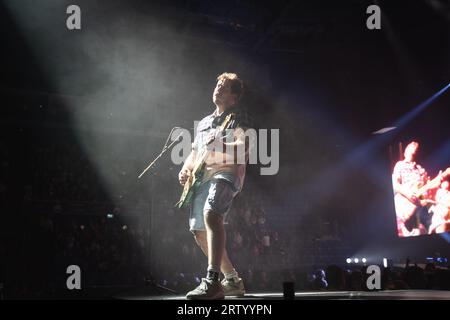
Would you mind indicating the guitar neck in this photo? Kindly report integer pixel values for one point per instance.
(435, 183)
(205, 152)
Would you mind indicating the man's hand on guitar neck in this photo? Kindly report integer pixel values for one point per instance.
(212, 136)
(215, 139)
(183, 176)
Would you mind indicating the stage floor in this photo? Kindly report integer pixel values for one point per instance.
(311, 295)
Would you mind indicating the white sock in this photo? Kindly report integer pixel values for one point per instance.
(232, 275)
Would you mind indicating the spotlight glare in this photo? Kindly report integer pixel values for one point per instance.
(356, 260)
(349, 260)
(364, 260)
(385, 264)
(384, 130)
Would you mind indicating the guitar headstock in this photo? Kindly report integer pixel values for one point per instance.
(226, 121)
(224, 125)
(220, 129)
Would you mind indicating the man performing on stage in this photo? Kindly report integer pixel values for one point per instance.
(407, 178)
(222, 180)
(412, 190)
(440, 221)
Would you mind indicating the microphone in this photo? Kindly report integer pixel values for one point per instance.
(174, 140)
(178, 137)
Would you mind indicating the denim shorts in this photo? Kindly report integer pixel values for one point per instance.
(216, 195)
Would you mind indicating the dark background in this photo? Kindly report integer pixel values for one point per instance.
(109, 94)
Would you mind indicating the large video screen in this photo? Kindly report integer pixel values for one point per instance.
(421, 197)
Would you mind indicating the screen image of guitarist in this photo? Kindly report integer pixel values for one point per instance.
(418, 202)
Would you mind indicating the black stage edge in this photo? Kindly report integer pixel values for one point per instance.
(307, 295)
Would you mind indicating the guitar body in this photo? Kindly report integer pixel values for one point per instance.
(196, 178)
(191, 185)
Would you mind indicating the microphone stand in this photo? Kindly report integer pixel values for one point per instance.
(164, 150)
(149, 281)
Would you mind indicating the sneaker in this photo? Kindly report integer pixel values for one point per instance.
(233, 287)
(207, 290)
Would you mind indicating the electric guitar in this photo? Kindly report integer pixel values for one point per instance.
(195, 179)
(405, 207)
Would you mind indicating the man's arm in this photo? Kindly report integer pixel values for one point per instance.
(399, 188)
(234, 148)
(187, 168)
(190, 160)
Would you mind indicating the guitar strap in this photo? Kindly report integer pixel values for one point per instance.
(240, 118)
(217, 122)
